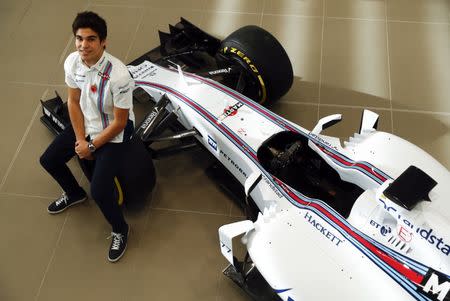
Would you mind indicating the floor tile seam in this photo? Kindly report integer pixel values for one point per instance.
(230, 12)
(386, 109)
(383, 20)
(302, 99)
(365, 107)
(299, 103)
(63, 55)
(238, 216)
(64, 52)
(218, 286)
(21, 143)
(231, 208)
(419, 22)
(147, 217)
(34, 84)
(319, 100)
(262, 13)
(133, 39)
(294, 16)
(27, 8)
(446, 114)
(362, 107)
(139, 6)
(120, 5)
(31, 196)
(355, 107)
(188, 211)
(389, 66)
(202, 16)
(51, 257)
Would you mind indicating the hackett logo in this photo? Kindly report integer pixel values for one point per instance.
(322, 229)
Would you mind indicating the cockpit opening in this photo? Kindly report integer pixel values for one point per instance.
(287, 156)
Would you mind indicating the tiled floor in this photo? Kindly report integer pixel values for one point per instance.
(392, 56)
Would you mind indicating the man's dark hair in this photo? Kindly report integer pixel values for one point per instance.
(89, 19)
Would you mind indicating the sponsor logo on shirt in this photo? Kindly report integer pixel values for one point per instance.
(103, 75)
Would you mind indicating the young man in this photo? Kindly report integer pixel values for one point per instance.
(101, 114)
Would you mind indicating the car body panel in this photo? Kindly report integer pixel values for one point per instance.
(288, 243)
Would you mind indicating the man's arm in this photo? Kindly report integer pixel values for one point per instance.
(76, 116)
(113, 129)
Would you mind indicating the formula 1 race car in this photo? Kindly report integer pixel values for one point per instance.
(366, 220)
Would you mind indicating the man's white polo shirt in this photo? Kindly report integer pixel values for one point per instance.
(103, 86)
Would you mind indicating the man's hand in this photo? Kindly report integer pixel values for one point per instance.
(82, 150)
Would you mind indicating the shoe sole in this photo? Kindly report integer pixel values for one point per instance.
(74, 203)
(123, 252)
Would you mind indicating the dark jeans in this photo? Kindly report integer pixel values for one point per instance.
(108, 159)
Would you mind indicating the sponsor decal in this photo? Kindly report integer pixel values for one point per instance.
(54, 119)
(322, 229)
(426, 233)
(321, 140)
(59, 123)
(231, 110)
(104, 76)
(252, 66)
(272, 187)
(436, 286)
(404, 234)
(384, 230)
(46, 112)
(212, 143)
(124, 91)
(150, 118)
(226, 247)
(242, 132)
(232, 162)
(243, 56)
(142, 71)
(79, 78)
(225, 70)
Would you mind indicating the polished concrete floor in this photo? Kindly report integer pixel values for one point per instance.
(391, 56)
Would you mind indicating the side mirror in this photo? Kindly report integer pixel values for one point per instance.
(326, 122)
(369, 120)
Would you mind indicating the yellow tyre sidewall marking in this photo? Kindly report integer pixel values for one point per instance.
(252, 67)
(119, 191)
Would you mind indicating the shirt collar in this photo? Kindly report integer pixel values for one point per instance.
(97, 66)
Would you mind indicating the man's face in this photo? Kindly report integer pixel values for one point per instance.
(89, 45)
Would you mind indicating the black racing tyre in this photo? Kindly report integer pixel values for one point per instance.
(136, 177)
(264, 58)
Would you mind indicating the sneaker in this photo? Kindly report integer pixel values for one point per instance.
(118, 245)
(64, 202)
